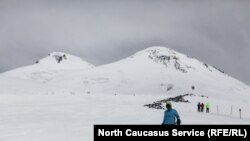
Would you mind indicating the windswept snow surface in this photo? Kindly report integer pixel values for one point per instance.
(61, 97)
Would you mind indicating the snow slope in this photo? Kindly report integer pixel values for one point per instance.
(71, 117)
(61, 97)
(33, 79)
(54, 64)
(156, 70)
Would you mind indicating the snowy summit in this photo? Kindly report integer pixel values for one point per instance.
(63, 60)
(155, 70)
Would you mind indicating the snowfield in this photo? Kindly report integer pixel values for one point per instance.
(61, 97)
(71, 117)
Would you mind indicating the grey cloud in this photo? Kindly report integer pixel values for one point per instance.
(216, 32)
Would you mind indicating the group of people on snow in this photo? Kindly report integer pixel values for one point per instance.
(201, 106)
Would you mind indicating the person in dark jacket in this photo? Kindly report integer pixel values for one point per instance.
(171, 116)
(202, 107)
(199, 107)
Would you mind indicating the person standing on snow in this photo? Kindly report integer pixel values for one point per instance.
(171, 116)
(202, 107)
(199, 107)
(207, 107)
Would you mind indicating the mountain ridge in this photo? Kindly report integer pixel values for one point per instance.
(155, 70)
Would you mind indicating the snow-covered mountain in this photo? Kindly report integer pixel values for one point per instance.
(33, 79)
(162, 70)
(61, 97)
(51, 66)
(155, 70)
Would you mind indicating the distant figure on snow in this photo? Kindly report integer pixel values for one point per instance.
(199, 107)
(202, 107)
(207, 107)
(171, 116)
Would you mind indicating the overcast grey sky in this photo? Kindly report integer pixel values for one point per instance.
(102, 31)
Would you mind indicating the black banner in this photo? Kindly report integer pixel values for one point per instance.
(138, 132)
